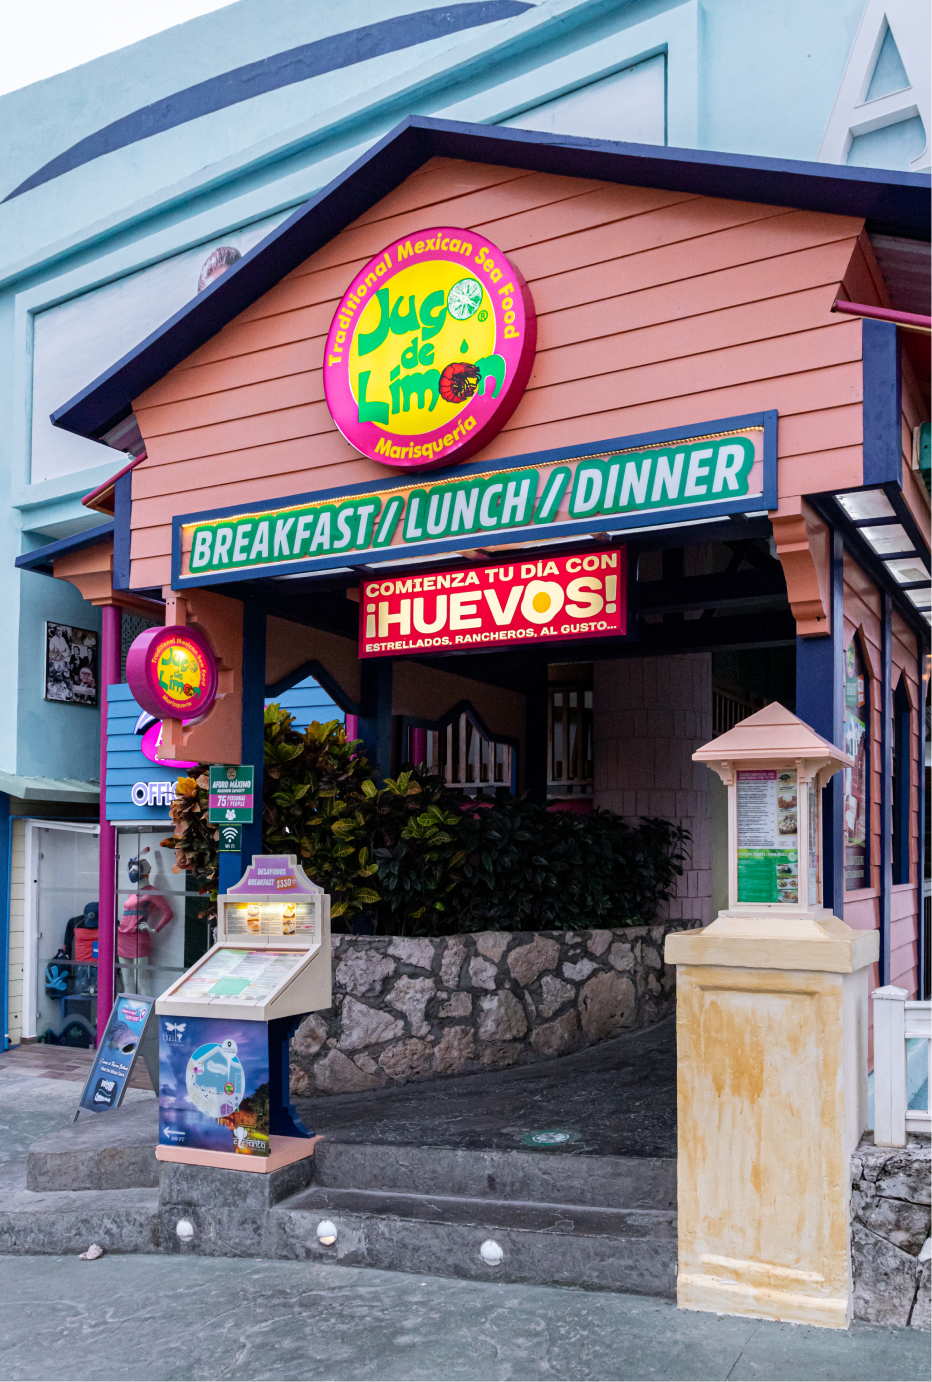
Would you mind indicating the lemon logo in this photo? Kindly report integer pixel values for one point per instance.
(542, 601)
(464, 298)
(430, 349)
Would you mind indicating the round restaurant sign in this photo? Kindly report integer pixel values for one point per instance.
(172, 672)
(430, 350)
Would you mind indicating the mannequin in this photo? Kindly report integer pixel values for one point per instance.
(145, 913)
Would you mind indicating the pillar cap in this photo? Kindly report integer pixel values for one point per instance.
(774, 734)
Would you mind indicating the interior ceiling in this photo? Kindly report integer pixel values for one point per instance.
(906, 266)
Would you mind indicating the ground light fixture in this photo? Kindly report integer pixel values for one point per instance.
(491, 1253)
(185, 1230)
(326, 1233)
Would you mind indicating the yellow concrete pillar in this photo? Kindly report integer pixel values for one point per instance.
(771, 1048)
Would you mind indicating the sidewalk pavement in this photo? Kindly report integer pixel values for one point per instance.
(39, 1092)
(157, 1319)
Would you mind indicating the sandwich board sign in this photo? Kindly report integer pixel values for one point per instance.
(129, 1034)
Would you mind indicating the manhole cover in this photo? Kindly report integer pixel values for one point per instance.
(548, 1137)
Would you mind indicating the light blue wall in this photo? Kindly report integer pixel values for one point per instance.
(306, 702)
(757, 78)
(53, 740)
(127, 764)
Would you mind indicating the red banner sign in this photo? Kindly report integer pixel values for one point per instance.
(552, 598)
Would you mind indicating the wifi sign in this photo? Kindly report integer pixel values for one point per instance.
(231, 839)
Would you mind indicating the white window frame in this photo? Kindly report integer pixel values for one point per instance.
(31, 912)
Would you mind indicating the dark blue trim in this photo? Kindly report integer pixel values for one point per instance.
(270, 74)
(886, 783)
(896, 202)
(6, 854)
(283, 1116)
(318, 671)
(882, 407)
(375, 720)
(902, 780)
(922, 978)
(253, 733)
(43, 558)
(122, 530)
(375, 557)
(820, 683)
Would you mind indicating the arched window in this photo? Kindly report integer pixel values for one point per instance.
(857, 778)
(901, 781)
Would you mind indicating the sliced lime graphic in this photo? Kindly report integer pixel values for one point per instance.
(463, 298)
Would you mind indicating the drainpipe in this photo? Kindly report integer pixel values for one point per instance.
(111, 635)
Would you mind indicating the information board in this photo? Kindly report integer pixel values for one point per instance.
(768, 836)
(117, 1053)
(241, 977)
(231, 799)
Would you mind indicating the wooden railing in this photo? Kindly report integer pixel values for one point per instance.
(896, 1023)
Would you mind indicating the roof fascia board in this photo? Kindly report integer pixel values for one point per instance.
(890, 198)
(365, 119)
(43, 558)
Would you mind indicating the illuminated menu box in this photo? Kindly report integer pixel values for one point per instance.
(273, 917)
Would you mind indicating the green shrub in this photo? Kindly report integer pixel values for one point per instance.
(420, 859)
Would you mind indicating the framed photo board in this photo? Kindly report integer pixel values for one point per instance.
(71, 664)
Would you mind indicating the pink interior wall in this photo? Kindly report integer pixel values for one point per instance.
(650, 716)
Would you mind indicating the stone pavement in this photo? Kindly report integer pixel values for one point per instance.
(39, 1092)
(615, 1099)
(157, 1319)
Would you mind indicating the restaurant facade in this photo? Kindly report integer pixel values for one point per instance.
(549, 459)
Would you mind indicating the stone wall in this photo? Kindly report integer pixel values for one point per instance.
(890, 1232)
(412, 1008)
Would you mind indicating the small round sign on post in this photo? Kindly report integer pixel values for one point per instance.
(172, 673)
(430, 349)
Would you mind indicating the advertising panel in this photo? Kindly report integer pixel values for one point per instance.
(688, 475)
(430, 349)
(71, 664)
(214, 1085)
(552, 598)
(172, 672)
(117, 1053)
(768, 836)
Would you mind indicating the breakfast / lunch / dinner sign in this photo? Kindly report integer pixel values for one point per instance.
(430, 349)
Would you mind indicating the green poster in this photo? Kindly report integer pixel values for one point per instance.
(231, 794)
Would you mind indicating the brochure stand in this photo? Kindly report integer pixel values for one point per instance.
(225, 1025)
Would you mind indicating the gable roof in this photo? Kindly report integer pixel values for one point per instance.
(896, 203)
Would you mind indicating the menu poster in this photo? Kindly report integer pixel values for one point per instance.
(242, 977)
(294, 916)
(768, 837)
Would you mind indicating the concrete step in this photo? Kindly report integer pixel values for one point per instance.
(68, 1221)
(612, 1182)
(598, 1248)
(101, 1151)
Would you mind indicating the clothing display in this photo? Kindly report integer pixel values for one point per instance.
(85, 934)
(145, 913)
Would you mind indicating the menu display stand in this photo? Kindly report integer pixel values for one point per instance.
(226, 1023)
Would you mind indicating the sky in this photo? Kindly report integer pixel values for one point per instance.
(42, 37)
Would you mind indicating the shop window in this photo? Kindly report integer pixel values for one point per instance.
(570, 741)
(901, 782)
(857, 778)
(162, 927)
(465, 757)
(61, 933)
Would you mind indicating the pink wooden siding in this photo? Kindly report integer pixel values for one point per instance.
(655, 309)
